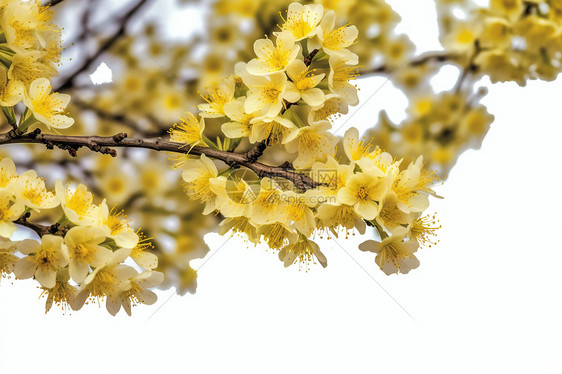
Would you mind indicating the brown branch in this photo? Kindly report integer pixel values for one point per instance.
(41, 230)
(53, 2)
(469, 68)
(439, 56)
(107, 144)
(67, 83)
(310, 57)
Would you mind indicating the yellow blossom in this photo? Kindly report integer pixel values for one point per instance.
(42, 260)
(273, 58)
(47, 107)
(189, 130)
(393, 254)
(304, 251)
(219, 95)
(303, 85)
(302, 20)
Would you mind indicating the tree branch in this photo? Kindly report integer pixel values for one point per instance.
(41, 230)
(67, 83)
(53, 2)
(438, 56)
(106, 145)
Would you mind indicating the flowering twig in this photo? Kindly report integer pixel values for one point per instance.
(255, 153)
(106, 145)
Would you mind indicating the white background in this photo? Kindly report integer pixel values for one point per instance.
(485, 300)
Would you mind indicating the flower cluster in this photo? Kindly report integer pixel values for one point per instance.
(30, 51)
(510, 40)
(439, 126)
(283, 100)
(155, 78)
(81, 256)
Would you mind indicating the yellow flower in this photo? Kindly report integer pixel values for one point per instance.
(412, 187)
(476, 123)
(277, 234)
(240, 122)
(374, 162)
(462, 37)
(302, 20)
(198, 175)
(304, 251)
(7, 259)
(398, 50)
(27, 67)
(510, 8)
(393, 254)
(76, 203)
(338, 79)
(497, 33)
(83, 247)
(233, 196)
(118, 228)
(333, 107)
(10, 210)
(62, 294)
(47, 107)
(501, 66)
(335, 215)
(334, 41)
(354, 148)
(364, 192)
(390, 216)
(294, 210)
(265, 94)
(32, 191)
(136, 294)
(272, 130)
(265, 208)
(25, 23)
(303, 85)
(8, 173)
(332, 174)
(11, 91)
(117, 184)
(110, 278)
(219, 95)
(311, 143)
(239, 225)
(273, 58)
(42, 260)
(189, 130)
(140, 253)
(423, 229)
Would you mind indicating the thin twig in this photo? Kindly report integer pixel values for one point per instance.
(438, 56)
(41, 230)
(53, 2)
(67, 83)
